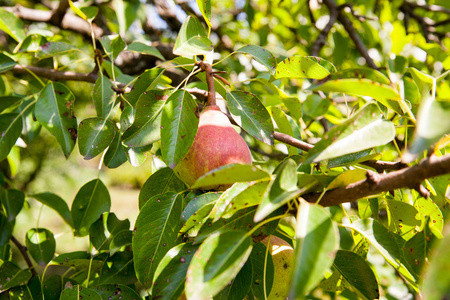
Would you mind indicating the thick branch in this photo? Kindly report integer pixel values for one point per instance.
(321, 39)
(54, 74)
(210, 82)
(377, 183)
(69, 21)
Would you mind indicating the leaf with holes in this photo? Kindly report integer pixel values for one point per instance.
(54, 110)
(156, 231)
(178, 127)
(217, 261)
(248, 111)
(261, 55)
(91, 201)
(41, 245)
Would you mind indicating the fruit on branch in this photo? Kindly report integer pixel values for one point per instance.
(216, 144)
(283, 262)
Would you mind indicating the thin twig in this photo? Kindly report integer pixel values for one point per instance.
(23, 251)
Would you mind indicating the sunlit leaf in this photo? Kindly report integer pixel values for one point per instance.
(362, 131)
(52, 49)
(217, 261)
(12, 25)
(192, 39)
(304, 67)
(317, 240)
(145, 82)
(205, 9)
(113, 45)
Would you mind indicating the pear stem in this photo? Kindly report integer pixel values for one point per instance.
(209, 81)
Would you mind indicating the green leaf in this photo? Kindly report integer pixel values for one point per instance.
(170, 275)
(241, 195)
(359, 87)
(364, 130)
(248, 111)
(9, 101)
(432, 124)
(6, 228)
(54, 110)
(317, 240)
(156, 231)
(358, 273)
(361, 73)
(91, 201)
(239, 286)
(436, 280)
(423, 81)
(145, 82)
(121, 239)
(146, 128)
(115, 156)
(192, 39)
(145, 49)
(229, 174)
(52, 287)
(261, 55)
(260, 264)
(284, 126)
(52, 49)
(12, 25)
(137, 155)
(347, 177)
(10, 128)
(315, 106)
(78, 261)
(113, 45)
(280, 190)
(41, 245)
(430, 213)
(162, 181)
(417, 252)
(107, 223)
(11, 275)
(197, 210)
(31, 291)
(116, 292)
(12, 201)
(104, 96)
(402, 218)
(178, 127)
(6, 63)
(217, 261)
(77, 292)
(118, 267)
(304, 67)
(205, 9)
(56, 203)
(387, 244)
(95, 135)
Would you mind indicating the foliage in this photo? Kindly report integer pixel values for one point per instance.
(361, 112)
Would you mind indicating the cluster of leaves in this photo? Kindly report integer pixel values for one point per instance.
(206, 244)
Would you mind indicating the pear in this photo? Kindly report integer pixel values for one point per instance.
(283, 261)
(216, 144)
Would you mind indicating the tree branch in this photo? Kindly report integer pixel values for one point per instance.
(23, 251)
(375, 183)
